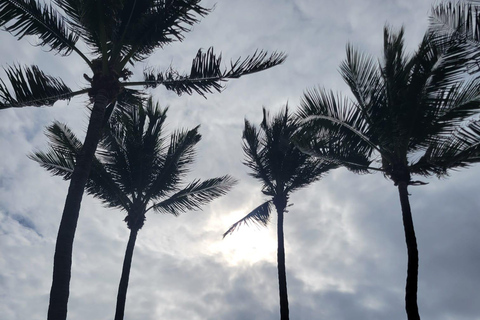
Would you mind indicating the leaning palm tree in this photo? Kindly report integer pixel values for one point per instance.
(115, 34)
(282, 169)
(136, 170)
(405, 111)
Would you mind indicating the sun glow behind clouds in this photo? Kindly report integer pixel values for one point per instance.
(247, 245)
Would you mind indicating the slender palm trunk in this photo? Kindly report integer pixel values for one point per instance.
(123, 286)
(412, 269)
(62, 261)
(282, 275)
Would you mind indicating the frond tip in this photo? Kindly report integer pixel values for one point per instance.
(31, 87)
(260, 216)
(196, 194)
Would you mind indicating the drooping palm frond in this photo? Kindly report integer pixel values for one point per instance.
(259, 216)
(30, 18)
(193, 196)
(32, 87)
(334, 130)
(60, 160)
(64, 147)
(206, 74)
(457, 150)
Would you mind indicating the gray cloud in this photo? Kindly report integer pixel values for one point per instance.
(346, 256)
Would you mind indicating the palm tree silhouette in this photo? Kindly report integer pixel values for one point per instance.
(136, 170)
(115, 33)
(405, 111)
(282, 169)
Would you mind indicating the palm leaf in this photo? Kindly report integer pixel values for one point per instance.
(60, 160)
(256, 157)
(259, 216)
(457, 150)
(146, 26)
(173, 166)
(460, 18)
(361, 72)
(32, 87)
(196, 194)
(206, 74)
(29, 18)
(459, 21)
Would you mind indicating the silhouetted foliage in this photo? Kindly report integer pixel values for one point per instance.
(136, 170)
(281, 168)
(115, 33)
(405, 112)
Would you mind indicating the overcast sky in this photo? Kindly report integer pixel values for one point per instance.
(345, 247)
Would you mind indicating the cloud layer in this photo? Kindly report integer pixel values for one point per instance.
(345, 248)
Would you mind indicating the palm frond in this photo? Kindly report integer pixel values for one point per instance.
(84, 17)
(361, 72)
(334, 130)
(174, 165)
(32, 87)
(30, 18)
(456, 105)
(323, 114)
(256, 157)
(457, 150)
(195, 195)
(206, 74)
(55, 162)
(60, 160)
(64, 147)
(146, 26)
(459, 21)
(259, 216)
(460, 18)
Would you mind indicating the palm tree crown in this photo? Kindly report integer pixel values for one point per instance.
(405, 112)
(137, 169)
(404, 109)
(281, 168)
(117, 33)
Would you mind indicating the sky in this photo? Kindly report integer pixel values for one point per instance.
(345, 247)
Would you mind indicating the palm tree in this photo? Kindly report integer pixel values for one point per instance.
(115, 33)
(460, 20)
(282, 169)
(405, 111)
(136, 170)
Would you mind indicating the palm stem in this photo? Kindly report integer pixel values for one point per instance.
(62, 261)
(123, 286)
(411, 288)
(282, 275)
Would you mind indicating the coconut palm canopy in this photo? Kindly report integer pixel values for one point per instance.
(137, 169)
(405, 112)
(344, 249)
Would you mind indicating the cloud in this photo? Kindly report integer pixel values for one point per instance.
(345, 247)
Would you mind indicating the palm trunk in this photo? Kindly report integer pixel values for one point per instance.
(412, 269)
(123, 286)
(282, 275)
(62, 261)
